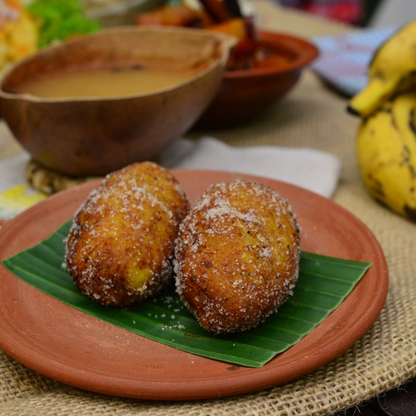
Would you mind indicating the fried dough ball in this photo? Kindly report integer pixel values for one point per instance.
(237, 256)
(121, 244)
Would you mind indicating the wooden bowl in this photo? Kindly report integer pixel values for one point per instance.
(94, 136)
(244, 94)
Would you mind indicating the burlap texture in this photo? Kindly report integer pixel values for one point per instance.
(383, 359)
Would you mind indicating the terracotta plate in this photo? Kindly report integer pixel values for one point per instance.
(77, 349)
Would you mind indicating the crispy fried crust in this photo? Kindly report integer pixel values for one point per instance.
(237, 256)
(120, 247)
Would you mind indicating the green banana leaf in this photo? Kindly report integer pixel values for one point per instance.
(323, 284)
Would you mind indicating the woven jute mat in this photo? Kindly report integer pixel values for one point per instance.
(384, 358)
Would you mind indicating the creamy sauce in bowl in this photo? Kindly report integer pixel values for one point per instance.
(110, 82)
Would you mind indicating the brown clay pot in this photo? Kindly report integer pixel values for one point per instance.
(244, 94)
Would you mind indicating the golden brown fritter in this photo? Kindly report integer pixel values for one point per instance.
(237, 256)
(120, 247)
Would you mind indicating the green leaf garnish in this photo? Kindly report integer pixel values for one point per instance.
(60, 20)
(324, 282)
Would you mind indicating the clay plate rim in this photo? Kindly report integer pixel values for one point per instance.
(79, 350)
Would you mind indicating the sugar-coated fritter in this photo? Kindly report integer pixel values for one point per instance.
(121, 245)
(237, 256)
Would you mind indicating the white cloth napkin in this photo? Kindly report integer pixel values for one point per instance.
(308, 168)
(12, 171)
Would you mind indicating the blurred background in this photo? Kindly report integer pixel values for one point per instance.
(374, 13)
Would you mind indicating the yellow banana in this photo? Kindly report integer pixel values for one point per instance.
(392, 70)
(386, 147)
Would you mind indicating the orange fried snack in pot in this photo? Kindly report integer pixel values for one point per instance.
(175, 15)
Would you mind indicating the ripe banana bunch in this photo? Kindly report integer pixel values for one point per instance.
(386, 140)
(392, 70)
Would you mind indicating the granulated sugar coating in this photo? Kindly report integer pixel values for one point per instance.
(121, 245)
(237, 256)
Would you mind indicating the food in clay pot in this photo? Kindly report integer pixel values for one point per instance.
(222, 16)
(261, 69)
(120, 247)
(237, 256)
